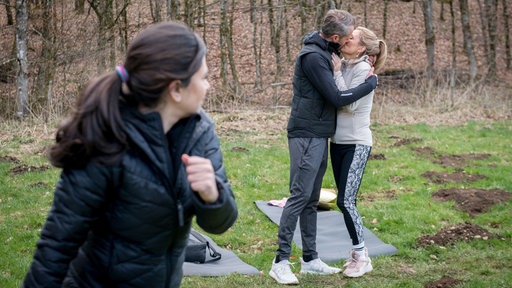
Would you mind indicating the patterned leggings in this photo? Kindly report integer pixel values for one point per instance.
(348, 164)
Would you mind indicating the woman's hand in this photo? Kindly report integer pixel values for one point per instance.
(336, 62)
(201, 176)
(371, 59)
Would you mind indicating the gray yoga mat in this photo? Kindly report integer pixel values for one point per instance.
(229, 263)
(332, 240)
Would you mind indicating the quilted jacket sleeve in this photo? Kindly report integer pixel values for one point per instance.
(78, 198)
(217, 217)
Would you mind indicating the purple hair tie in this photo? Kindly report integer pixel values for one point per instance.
(123, 74)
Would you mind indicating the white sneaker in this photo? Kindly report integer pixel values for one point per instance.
(317, 266)
(282, 273)
(356, 265)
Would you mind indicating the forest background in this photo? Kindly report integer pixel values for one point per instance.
(445, 96)
(452, 56)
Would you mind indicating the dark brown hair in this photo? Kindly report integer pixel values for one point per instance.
(158, 55)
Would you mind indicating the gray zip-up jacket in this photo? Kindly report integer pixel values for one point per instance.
(353, 120)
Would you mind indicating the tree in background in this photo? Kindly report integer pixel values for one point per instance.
(508, 57)
(64, 39)
(227, 52)
(79, 6)
(430, 39)
(491, 14)
(21, 45)
(468, 42)
(48, 57)
(8, 12)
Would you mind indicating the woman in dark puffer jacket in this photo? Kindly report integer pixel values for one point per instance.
(139, 159)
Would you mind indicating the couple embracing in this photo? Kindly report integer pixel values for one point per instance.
(332, 99)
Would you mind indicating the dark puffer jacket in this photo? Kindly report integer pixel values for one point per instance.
(128, 225)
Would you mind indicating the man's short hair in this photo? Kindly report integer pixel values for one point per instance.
(337, 22)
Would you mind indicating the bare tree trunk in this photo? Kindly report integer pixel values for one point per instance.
(231, 56)
(441, 14)
(485, 35)
(385, 19)
(202, 18)
(468, 42)
(287, 33)
(260, 32)
(454, 55)
(224, 35)
(319, 13)
(79, 6)
(491, 13)
(9, 67)
(257, 56)
(365, 13)
(331, 4)
(106, 40)
(21, 46)
(8, 12)
(123, 23)
(303, 4)
(48, 58)
(227, 51)
(155, 7)
(275, 41)
(429, 35)
(188, 11)
(174, 9)
(508, 57)
(168, 15)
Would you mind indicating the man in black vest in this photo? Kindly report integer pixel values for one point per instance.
(312, 121)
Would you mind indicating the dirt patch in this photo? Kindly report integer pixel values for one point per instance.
(449, 235)
(427, 151)
(473, 201)
(455, 177)
(10, 159)
(39, 184)
(445, 282)
(453, 160)
(378, 195)
(377, 157)
(240, 149)
(405, 141)
(459, 160)
(25, 168)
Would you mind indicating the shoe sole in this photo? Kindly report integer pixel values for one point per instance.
(369, 268)
(273, 275)
(319, 273)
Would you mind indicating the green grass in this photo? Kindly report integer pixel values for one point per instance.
(395, 201)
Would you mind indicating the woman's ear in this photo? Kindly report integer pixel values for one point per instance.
(174, 90)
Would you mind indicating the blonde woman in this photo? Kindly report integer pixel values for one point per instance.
(351, 144)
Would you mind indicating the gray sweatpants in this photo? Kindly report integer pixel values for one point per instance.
(308, 162)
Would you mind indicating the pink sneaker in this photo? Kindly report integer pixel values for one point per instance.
(357, 266)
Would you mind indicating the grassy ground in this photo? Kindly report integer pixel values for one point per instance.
(395, 201)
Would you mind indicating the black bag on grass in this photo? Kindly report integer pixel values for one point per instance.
(199, 250)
